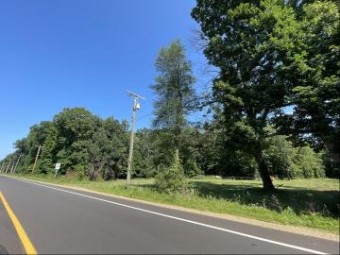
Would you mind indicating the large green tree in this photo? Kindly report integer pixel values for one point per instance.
(245, 41)
(270, 57)
(174, 90)
(76, 127)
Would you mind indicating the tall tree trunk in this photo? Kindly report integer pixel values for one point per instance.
(264, 172)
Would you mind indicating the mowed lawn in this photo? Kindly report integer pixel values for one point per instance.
(310, 203)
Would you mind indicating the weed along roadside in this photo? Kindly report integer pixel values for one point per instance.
(311, 203)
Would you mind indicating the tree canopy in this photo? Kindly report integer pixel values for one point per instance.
(264, 56)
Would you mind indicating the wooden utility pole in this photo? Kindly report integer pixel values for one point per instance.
(13, 164)
(36, 158)
(16, 165)
(9, 166)
(136, 106)
(3, 167)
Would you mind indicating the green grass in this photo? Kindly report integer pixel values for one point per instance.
(310, 203)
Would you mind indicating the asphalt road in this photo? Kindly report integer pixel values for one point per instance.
(60, 220)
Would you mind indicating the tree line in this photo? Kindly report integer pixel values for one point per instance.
(275, 103)
(96, 148)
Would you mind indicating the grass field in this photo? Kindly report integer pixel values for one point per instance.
(310, 203)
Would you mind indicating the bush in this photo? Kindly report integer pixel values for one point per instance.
(172, 179)
(286, 161)
(79, 169)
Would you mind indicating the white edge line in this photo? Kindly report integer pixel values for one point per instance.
(185, 220)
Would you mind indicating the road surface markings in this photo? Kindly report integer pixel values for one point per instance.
(185, 220)
(28, 246)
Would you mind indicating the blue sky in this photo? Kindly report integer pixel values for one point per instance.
(84, 53)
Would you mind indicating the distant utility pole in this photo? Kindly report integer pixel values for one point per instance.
(136, 106)
(9, 166)
(13, 164)
(36, 158)
(16, 165)
(5, 168)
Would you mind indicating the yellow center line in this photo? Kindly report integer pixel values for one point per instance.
(28, 246)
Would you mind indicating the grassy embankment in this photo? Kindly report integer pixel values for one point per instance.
(310, 203)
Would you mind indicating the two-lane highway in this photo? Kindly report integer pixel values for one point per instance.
(60, 220)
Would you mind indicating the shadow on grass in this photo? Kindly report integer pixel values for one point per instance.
(301, 201)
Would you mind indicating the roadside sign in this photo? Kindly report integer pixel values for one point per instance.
(57, 166)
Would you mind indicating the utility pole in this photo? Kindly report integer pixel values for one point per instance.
(8, 166)
(16, 165)
(36, 158)
(136, 106)
(13, 164)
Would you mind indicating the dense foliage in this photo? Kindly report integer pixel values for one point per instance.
(270, 55)
(80, 141)
(93, 148)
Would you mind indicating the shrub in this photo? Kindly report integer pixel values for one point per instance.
(79, 169)
(172, 179)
